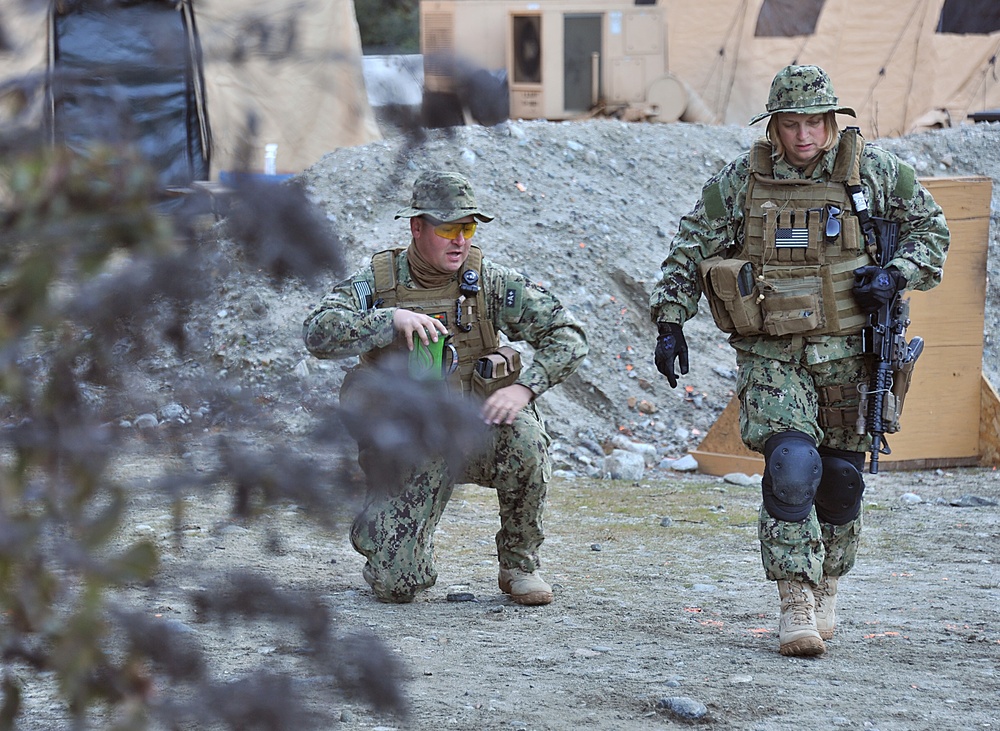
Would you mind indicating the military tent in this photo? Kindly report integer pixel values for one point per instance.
(903, 65)
(195, 78)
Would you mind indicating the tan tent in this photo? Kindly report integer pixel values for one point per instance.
(309, 102)
(294, 65)
(901, 64)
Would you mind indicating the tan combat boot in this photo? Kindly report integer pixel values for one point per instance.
(524, 587)
(825, 596)
(797, 633)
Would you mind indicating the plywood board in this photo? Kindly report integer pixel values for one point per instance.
(989, 426)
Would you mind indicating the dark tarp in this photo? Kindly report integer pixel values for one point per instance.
(786, 18)
(969, 16)
(131, 71)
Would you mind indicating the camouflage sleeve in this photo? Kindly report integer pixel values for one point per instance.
(715, 223)
(341, 325)
(526, 312)
(895, 193)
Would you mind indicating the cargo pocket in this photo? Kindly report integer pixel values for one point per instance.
(793, 306)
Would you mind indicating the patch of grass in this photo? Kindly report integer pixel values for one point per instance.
(635, 510)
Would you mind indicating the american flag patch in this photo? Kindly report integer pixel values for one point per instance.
(364, 293)
(791, 238)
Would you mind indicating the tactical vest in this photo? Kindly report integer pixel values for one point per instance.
(802, 242)
(472, 333)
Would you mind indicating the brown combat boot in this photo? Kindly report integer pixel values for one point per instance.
(825, 596)
(524, 587)
(797, 633)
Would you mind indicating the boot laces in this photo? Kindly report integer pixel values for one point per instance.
(801, 606)
(821, 594)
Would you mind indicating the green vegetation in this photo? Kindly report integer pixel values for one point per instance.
(388, 26)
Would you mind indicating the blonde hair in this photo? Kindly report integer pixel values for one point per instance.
(832, 132)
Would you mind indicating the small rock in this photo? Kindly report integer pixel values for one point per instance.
(461, 596)
(742, 479)
(257, 306)
(176, 413)
(666, 521)
(687, 463)
(972, 501)
(910, 498)
(146, 421)
(683, 707)
(624, 465)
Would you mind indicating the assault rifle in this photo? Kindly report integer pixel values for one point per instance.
(885, 338)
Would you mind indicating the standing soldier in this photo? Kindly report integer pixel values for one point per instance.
(777, 243)
(438, 288)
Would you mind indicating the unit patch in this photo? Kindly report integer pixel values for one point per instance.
(513, 300)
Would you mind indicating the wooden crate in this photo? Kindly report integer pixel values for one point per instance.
(952, 414)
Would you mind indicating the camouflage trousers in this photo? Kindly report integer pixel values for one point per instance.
(779, 394)
(807, 550)
(395, 529)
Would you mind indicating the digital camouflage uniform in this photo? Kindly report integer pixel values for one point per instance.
(395, 529)
(780, 378)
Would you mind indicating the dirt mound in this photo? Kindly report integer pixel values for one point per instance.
(587, 209)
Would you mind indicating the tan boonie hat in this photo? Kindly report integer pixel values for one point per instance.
(443, 195)
(802, 90)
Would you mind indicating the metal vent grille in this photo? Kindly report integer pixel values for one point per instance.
(439, 42)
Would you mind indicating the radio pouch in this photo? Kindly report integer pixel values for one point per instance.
(732, 295)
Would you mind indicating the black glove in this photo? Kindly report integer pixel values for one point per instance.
(669, 345)
(874, 286)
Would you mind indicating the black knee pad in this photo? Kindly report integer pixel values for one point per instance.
(792, 473)
(838, 499)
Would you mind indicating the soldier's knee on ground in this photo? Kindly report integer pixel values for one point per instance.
(838, 498)
(391, 590)
(792, 473)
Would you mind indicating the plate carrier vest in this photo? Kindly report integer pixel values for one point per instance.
(472, 333)
(795, 271)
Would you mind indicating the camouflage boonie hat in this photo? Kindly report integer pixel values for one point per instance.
(802, 90)
(444, 196)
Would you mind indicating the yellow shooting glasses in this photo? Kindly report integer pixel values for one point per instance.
(451, 231)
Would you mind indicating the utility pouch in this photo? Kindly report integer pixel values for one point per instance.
(495, 371)
(732, 297)
(793, 306)
(901, 378)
